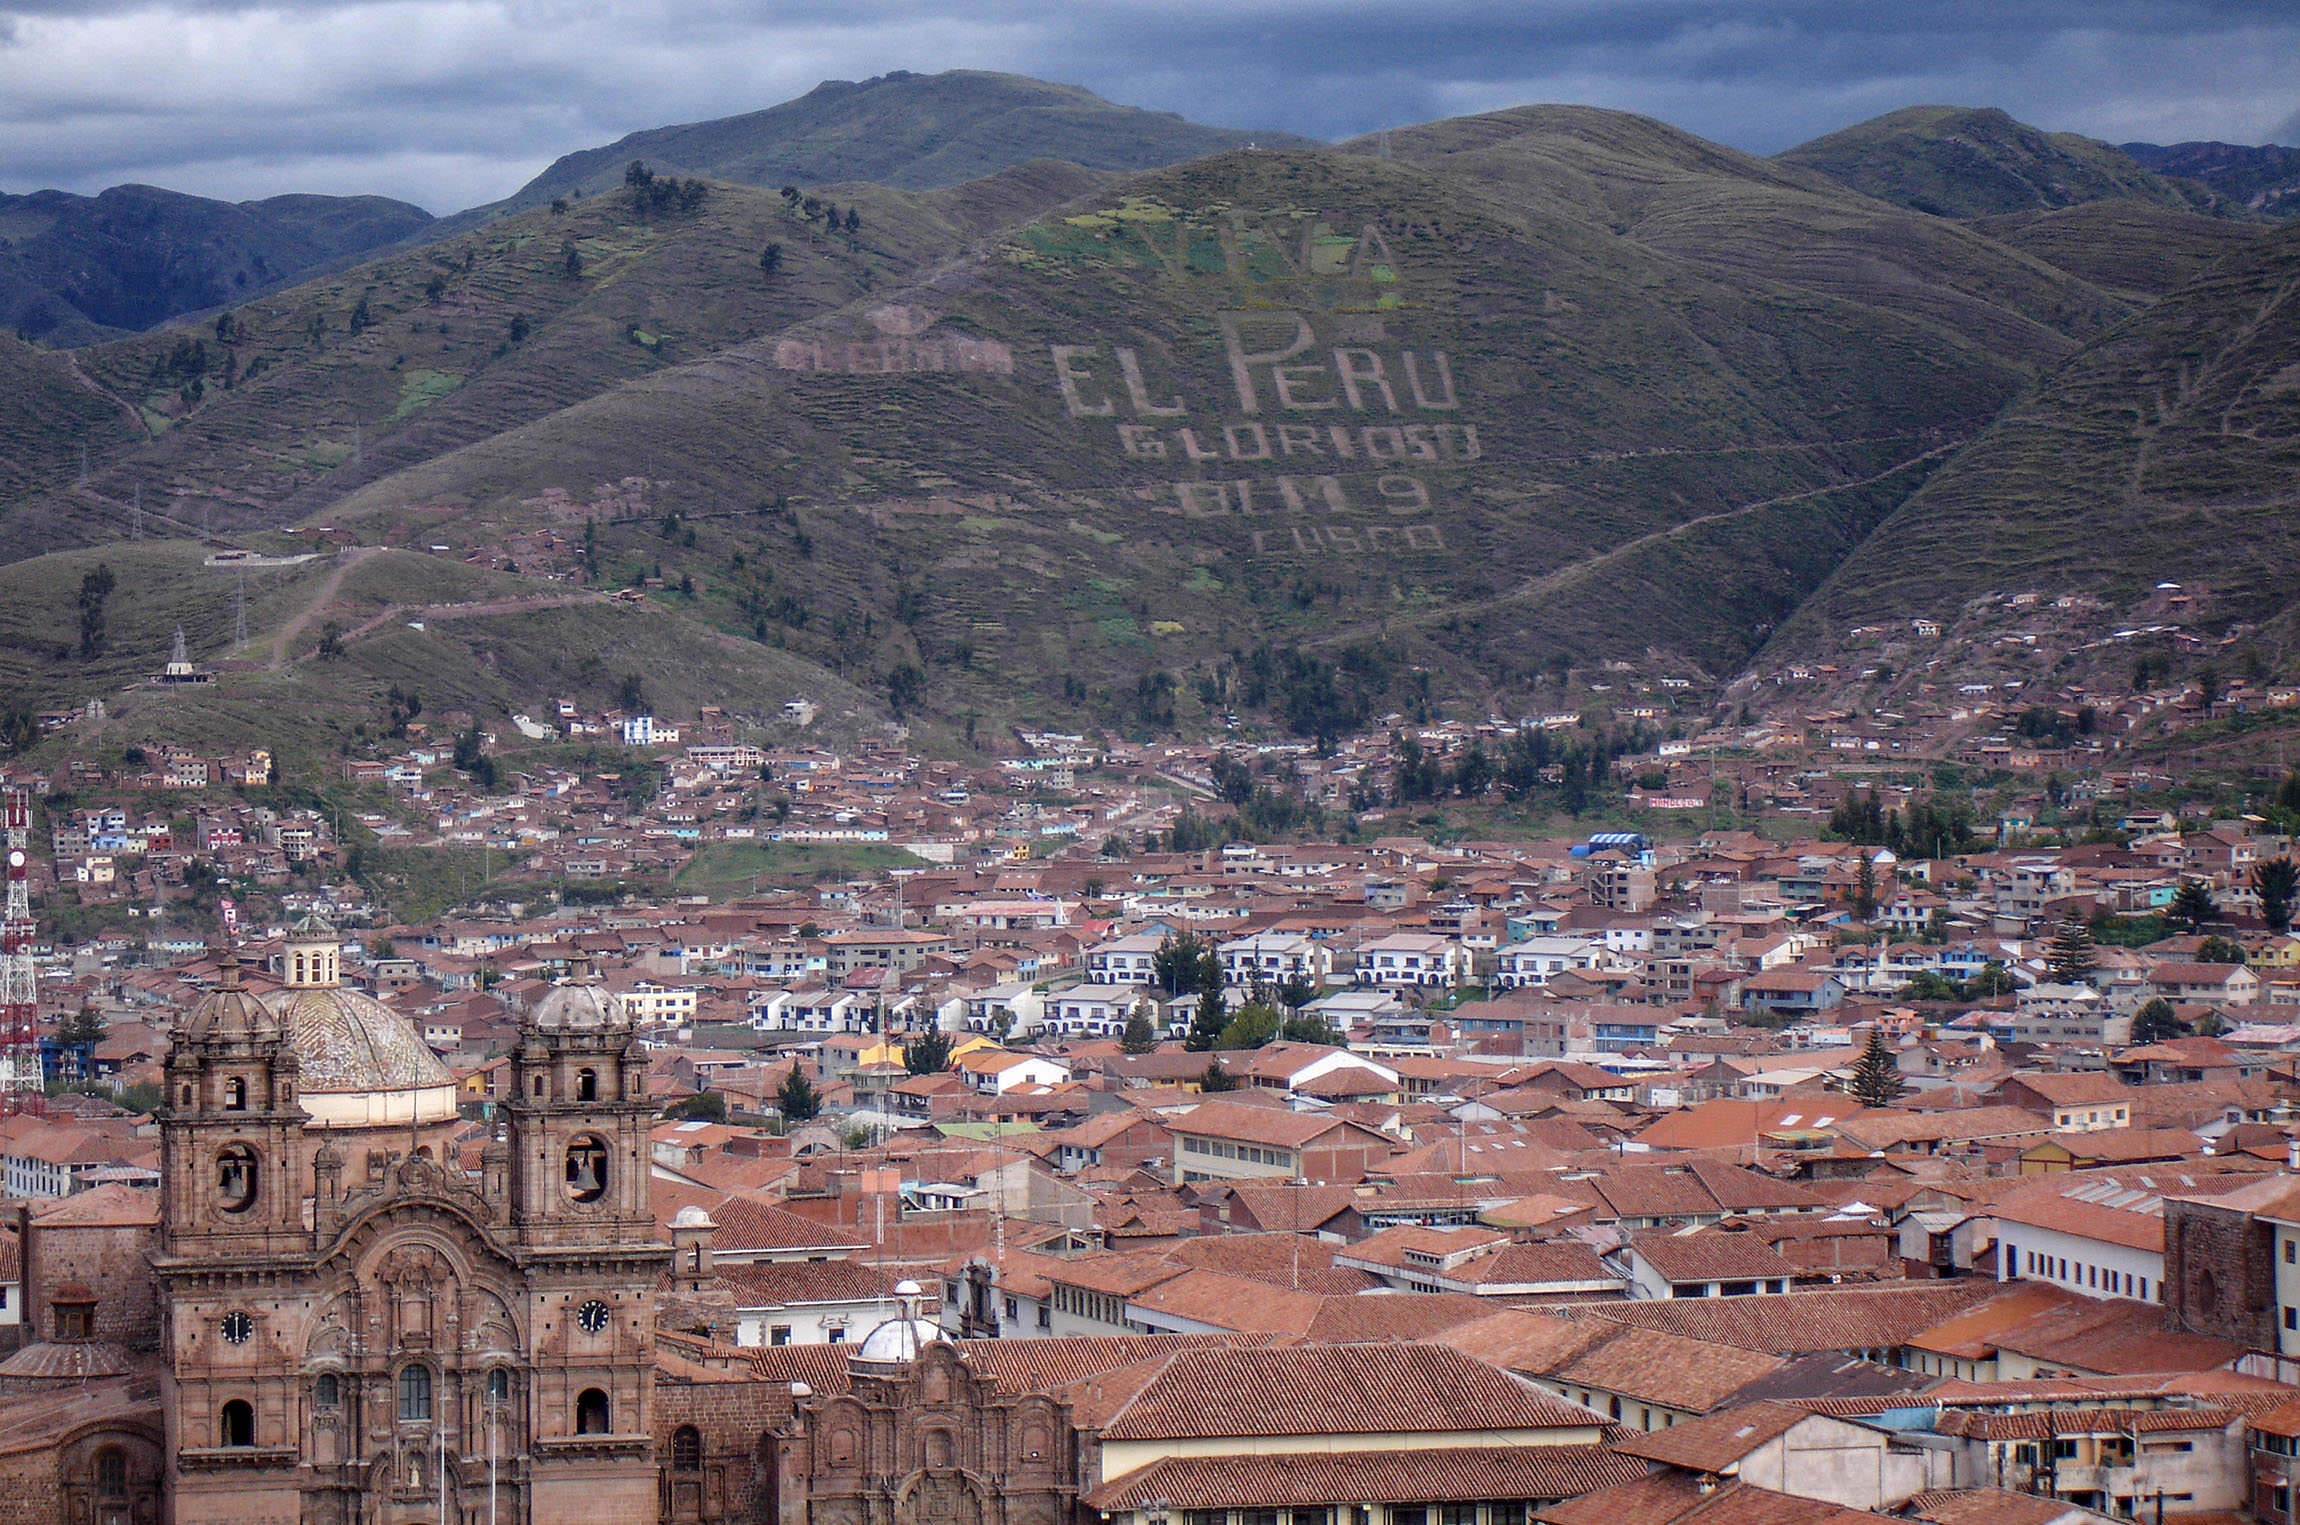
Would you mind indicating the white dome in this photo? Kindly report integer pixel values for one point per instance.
(898, 1341)
(692, 1216)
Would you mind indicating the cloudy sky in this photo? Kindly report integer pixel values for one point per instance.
(452, 102)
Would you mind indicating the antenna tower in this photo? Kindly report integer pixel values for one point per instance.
(21, 1087)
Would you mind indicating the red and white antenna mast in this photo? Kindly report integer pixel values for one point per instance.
(22, 1084)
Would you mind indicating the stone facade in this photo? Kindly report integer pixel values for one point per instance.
(2219, 1273)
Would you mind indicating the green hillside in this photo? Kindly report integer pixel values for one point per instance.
(920, 131)
(1647, 361)
(1322, 433)
(301, 397)
(47, 413)
(1952, 161)
(2168, 450)
(76, 269)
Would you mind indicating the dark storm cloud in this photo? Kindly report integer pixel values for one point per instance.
(450, 102)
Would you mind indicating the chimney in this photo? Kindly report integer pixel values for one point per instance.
(2292, 1154)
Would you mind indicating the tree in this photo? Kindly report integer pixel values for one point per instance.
(1865, 888)
(1310, 1029)
(2069, 958)
(1254, 1024)
(1176, 964)
(86, 1025)
(2155, 1022)
(2276, 881)
(95, 590)
(2220, 950)
(1216, 1078)
(1876, 1078)
(928, 1055)
(2192, 907)
(771, 258)
(570, 261)
(1209, 1022)
(1140, 1036)
(703, 1106)
(798, 1100)
(1993, 980)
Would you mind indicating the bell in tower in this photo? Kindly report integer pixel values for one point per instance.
(230, 1142)
(577, 1118)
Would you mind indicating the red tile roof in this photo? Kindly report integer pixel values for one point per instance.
(1369, 1477)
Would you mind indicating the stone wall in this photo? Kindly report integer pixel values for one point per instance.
(2219, 1273)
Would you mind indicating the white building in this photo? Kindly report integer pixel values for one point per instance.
(1530, 963)
(1274, 958)
(1093, 1011)
(2097, 1236)
(1411, 958)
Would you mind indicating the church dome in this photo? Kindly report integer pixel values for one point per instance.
(899, 1340)
(363, 1064)
(581, 1002)
(230, 1010)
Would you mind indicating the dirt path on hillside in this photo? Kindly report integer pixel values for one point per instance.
(1551, 582)
(135, 414)
(324, 595)
(430, 612)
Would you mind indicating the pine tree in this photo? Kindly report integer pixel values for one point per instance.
(1213, 1015)
(2192, 907)
(1876, 1078)
(2155, 1022)
(1216, 1078)
(2276, 881)
(1140, 1037)
(927, 1055)
(1865, 888)
(798, 1100)
(2070, 959)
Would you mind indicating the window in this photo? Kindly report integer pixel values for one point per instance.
(414, 1394)
(2291, 1317)
(2064, 1450)
(326, 1391)
(586, 1169)
(236, 1425)
(779, 1334)
(72, 1322)
(236, 1178)
(2292, 1252)
(235, 1095)
(686, 1449)
(591, 1412)
(1457, 1514)
(499, 1386)
(586, 1085)
(838, 1334)
(112, 1473)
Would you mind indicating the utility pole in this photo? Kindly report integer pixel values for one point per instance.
(136, 512)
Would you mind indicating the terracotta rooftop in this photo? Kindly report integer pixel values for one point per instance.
(1380, 1477)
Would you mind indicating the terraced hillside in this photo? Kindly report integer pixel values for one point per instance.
(2168, 450)
(1325, 432)
(1954, 161)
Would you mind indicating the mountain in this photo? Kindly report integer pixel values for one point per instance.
(2166, 450)
(1321, 433)
(76, 269)
(916, 131)
(283, 406)
(1953, 161)
(2264, 179)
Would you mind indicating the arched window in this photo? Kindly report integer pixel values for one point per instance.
(326, 1392)
(591, 1413)
(235, 1095)
(686, 1449)
(586, 1085)
(236, 1425)
(236, 1178)
(414, 1393)
(112, 1473)
(499, 1386)
(586, 1169)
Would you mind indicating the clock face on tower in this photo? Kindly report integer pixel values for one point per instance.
(237, 1327)
(592, 1316)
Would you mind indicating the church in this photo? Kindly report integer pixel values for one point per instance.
(330, 1317)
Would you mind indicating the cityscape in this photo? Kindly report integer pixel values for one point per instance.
(1557, 787)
